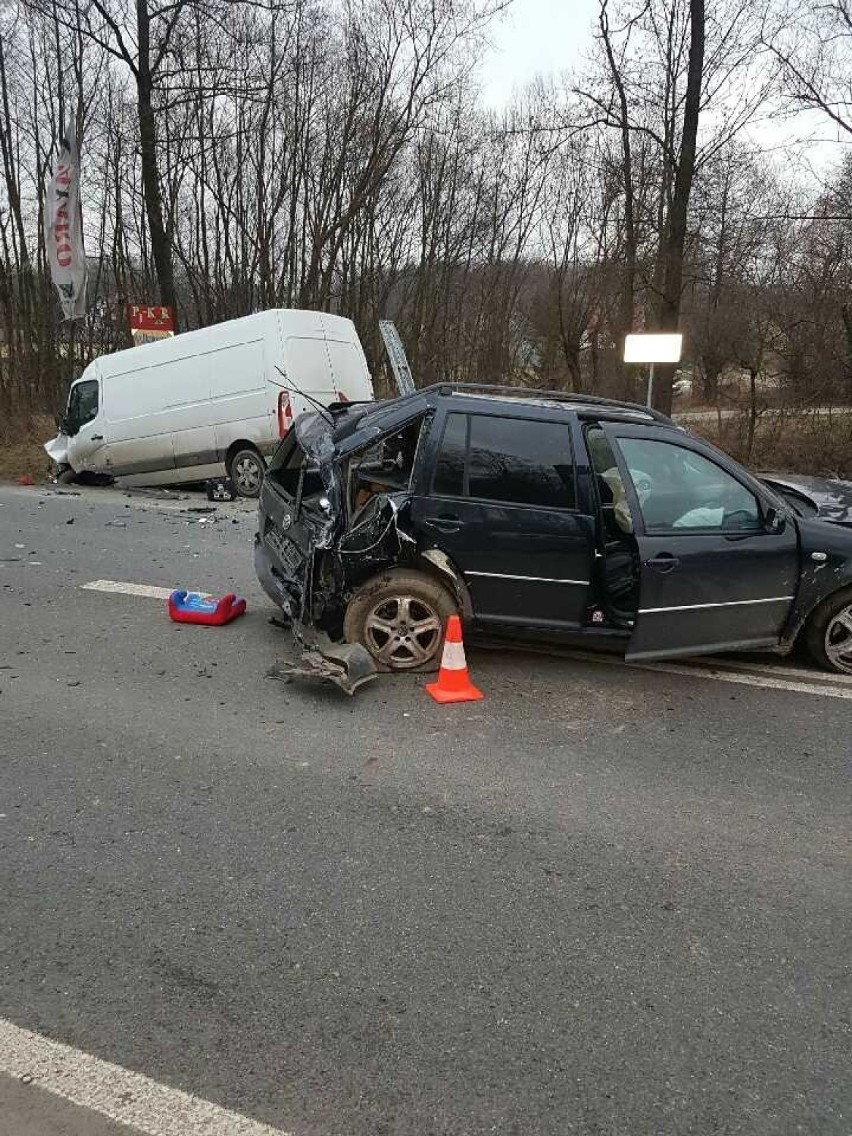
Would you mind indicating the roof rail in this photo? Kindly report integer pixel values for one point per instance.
(555, 396)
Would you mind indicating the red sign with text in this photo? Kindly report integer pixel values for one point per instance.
(149, 324)
(150, 319)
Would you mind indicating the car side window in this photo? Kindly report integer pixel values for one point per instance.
(516, 461)
(83, 403)
(449, 469)
(679, 489)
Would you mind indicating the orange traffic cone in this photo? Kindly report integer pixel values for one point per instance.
(454, 683)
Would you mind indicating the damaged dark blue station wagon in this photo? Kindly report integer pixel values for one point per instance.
(540, 514)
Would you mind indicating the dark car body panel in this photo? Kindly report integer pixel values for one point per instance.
(826, 567)
(822, 498)
(706, 590)
(527, 568)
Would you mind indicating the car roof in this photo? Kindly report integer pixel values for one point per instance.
(581, 406)
(380, 416)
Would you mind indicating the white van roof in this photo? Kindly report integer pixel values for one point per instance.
(285, 321)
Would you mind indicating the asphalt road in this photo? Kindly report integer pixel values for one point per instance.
(605, 900)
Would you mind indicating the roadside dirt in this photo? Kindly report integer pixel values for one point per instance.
(21, 449)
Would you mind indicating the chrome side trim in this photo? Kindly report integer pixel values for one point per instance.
(728, 603)
(536, 579)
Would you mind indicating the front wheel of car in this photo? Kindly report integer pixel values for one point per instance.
(828, 633)
(400, 618)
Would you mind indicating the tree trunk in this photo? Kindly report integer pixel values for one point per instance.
(751, 422)
(675, 230)
(627, 298)
(160, 242)
(846, 312)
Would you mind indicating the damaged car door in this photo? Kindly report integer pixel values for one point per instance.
(497, 494)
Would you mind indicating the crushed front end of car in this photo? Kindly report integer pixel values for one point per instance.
(333, 512)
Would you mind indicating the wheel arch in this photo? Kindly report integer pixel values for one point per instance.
(242, 444)
(437, 564)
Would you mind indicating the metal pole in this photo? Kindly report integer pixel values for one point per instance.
(650, 385)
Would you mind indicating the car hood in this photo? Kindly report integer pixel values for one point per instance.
(830, 496)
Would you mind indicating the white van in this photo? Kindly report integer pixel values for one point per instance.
(208, 402)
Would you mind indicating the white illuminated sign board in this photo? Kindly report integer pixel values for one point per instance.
(652, 348)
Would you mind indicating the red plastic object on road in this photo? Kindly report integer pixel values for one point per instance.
(192, 607)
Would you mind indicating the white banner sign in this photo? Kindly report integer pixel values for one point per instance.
(63, 229)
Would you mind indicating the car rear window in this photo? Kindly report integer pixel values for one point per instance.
(291, 471)
(518, 461)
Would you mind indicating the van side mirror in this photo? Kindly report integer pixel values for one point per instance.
(774, 520)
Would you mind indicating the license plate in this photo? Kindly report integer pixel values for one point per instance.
(289, 554)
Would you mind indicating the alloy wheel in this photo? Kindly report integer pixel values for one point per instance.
(838, 640)
(403, 632)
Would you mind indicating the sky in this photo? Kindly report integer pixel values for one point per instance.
(535, 37)
(546, 37)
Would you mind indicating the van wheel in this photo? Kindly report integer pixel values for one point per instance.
(246, 470)
(66, 476)
(400, 618)
(828, 633)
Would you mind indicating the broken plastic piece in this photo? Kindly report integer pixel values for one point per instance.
(347, 665)
(192, 607)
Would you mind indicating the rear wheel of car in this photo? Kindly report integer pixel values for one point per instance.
(828, 633)
(400, 618)
(246, 469)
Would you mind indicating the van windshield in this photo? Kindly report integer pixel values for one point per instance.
(82, 404)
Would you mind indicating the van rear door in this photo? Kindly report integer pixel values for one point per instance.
(308, 368)
(349, 370)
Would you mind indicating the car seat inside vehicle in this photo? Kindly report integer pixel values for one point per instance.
(385, 467)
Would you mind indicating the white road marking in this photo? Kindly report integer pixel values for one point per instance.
(770, 678)
(767, 681)
(116, 586)
(780, 670)
(116, 1093)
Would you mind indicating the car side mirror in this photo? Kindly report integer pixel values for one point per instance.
(774, 520)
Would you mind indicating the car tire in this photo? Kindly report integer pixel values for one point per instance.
(400, 618)
(246, 469)
(828, 633)
(66, 476)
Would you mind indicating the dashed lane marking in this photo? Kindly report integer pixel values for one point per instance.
(118, 1094)
(148, 591)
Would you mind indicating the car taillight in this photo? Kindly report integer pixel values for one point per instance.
(285, 413)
